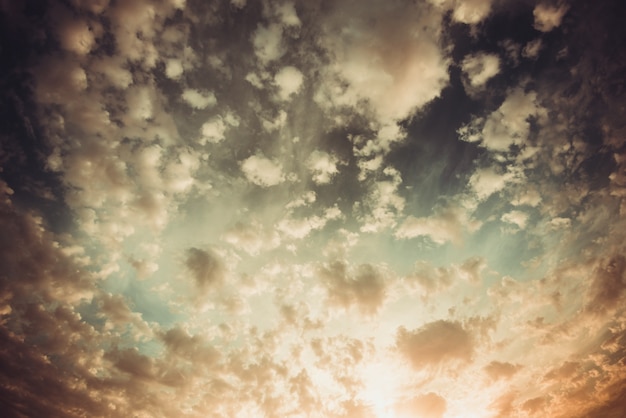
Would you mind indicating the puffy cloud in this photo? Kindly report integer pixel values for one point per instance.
(262, 171)
(268, 43)
(75, 36)
(383, 203)
(363, 286)
(516, 217)
(206, 267)
(368, 64)
(199, 99)
(471, 11)
(289, 80)
(508, 125)
(548, 17)
(323, 166)
(300, 228)
(436, 344)
(480, 67)
(174, 68)
(487, 181)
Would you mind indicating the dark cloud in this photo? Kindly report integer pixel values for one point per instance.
(205, 266)
(497, 370)
(363, 286)
(436, 344)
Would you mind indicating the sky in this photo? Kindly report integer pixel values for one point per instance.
(323, 208)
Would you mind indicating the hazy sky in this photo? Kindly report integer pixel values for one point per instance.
(325, 208)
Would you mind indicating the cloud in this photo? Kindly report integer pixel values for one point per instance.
(262, 171)
(429, 405)
(471, 11)
(199, 99)
(322, 166)
(289, 80)
(548, 17)
(363, 286)
(252, 237)
(507, 126)
(516, 217)
(447, 224)
(268, 42)
(497, 370)
(607, 287)
(206, 267)
(368, 65)
(479, 68)
(436, 344)
(487, 181)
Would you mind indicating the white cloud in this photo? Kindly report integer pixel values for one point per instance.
(471, 11)
(480, 67)
(516, 217)
(262, 171)
(174, 68)
(391, 66)
(199, 99)
(213, 130)
(323, 166)
(548, 17)
(487, 181)
(302, 227)
(508, 125)
(289, 80)
(287, 14)
(268, 43)
(445, 225)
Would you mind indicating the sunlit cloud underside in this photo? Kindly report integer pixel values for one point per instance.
(360, 209)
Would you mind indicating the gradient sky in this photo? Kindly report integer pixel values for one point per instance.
(325, 208)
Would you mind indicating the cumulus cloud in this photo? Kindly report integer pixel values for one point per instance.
(323, 166)
(206, 267)
(471, 11)
(435, 344)
(369, 67)
(548, 17)
(516, 218)
(508, 125)
(363, 286)
(288, 80)
(199, 99)
(262, 171)
(479, 68)
(487, 181)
